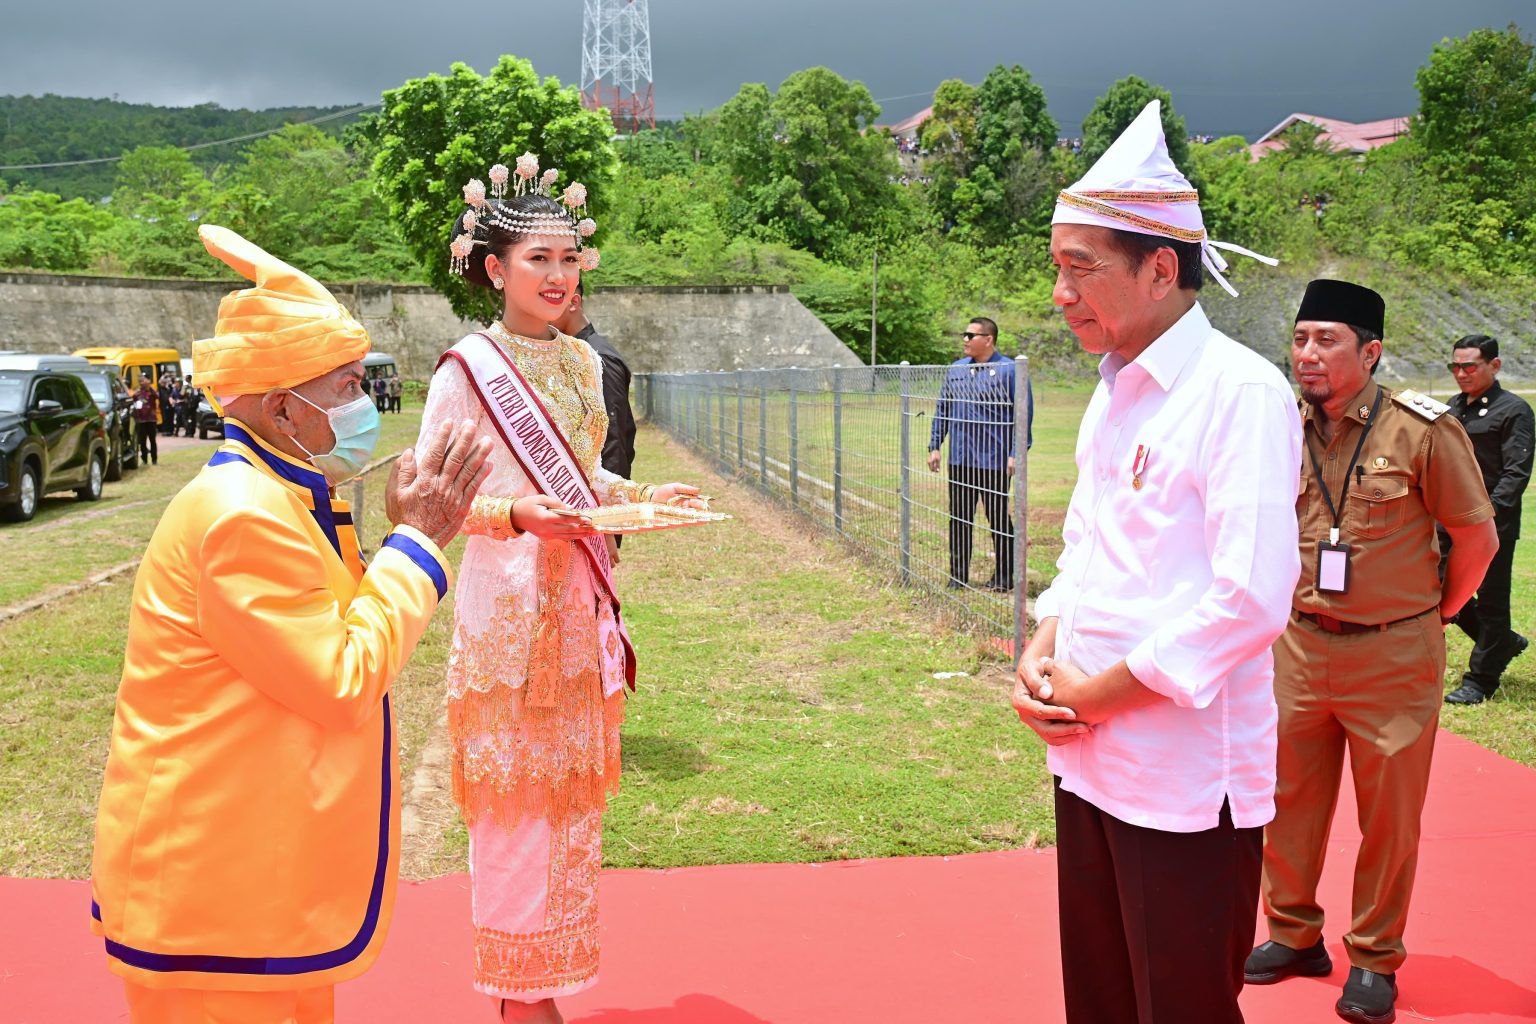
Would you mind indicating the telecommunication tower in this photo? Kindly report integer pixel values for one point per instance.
(616, 61)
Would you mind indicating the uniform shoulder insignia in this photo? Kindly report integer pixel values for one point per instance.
(1423, 405)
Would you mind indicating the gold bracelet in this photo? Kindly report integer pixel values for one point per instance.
(647, 492)
(511, 510)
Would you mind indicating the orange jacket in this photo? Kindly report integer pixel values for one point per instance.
(248, 832)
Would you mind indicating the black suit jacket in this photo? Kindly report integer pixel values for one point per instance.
(619, 446)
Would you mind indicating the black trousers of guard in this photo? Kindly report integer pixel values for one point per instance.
(1155, 925)
(1485, 616)
(969, 486)
(149, 442)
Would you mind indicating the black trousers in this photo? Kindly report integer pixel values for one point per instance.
(149, 442)
(1155, 926)
(1485, 617)
(969, 486)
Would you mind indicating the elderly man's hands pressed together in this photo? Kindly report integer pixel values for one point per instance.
(433, 491)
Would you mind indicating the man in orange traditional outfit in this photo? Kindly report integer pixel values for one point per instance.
(247, 839)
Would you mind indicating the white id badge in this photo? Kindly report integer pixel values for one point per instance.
(1332, 567)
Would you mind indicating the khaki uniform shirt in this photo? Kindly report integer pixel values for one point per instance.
(1413, 471)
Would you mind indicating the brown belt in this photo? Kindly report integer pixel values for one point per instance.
(1329, 624)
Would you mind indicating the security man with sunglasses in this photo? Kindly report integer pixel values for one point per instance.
(1501, 426)
(975, 412)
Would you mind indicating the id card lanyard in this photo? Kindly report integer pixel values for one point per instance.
(1333, 557)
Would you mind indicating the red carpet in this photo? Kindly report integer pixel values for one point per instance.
(918, 941)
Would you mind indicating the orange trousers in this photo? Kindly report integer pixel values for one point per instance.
(202, 1006)
(1378, 696)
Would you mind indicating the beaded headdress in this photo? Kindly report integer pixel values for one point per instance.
(483, 212)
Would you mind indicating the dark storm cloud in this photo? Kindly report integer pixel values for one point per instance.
(1237, 67)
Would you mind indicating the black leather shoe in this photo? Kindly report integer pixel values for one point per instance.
(1466, 693)
(1368, 997)
(1517, 647)
(1274, 962)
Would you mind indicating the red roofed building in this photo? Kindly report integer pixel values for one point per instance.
(912, 126)
(1345, 136)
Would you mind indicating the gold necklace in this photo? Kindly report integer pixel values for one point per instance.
(503, 334)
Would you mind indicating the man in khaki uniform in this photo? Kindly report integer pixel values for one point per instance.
(1362, 662)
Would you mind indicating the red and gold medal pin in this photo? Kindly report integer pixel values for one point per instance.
(1139, 466)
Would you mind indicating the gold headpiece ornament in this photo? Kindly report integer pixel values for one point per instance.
(484, 212)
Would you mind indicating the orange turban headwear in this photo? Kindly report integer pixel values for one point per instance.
(285, 331)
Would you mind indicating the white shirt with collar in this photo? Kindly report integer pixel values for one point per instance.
(1188, 577)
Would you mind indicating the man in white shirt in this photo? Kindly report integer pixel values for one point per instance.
(1149, 672)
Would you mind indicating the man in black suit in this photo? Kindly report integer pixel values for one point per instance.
(1501, 426)
(619, 446)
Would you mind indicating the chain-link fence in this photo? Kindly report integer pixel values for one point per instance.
(903, 462)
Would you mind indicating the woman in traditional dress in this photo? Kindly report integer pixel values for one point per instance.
(538, 667)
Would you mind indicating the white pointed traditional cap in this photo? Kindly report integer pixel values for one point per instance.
(1135, 186)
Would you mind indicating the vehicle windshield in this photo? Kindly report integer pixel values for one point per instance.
(13, 392)
(101, 391)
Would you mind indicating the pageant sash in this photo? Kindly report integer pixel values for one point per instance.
(544, 454)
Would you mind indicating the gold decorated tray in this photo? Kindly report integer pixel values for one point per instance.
(643, 517)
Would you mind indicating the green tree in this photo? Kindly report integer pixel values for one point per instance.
(1113, 113)
(159, 197)
(38, 230)
(950, 134)
(1477, 111)
(1012, 115)
(808, 169)
(436, 133)
(149, 174)
(996, 182)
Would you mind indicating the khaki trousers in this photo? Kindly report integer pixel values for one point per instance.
(1378, 695)
(203, 1006)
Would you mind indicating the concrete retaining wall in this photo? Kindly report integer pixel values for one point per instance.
(671, 329)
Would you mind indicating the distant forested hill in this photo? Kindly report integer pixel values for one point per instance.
(49, 129)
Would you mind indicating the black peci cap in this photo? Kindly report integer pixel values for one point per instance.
(1343, 303)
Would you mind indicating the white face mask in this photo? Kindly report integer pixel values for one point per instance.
(356, 426)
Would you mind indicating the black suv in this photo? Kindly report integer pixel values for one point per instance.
(208, 421)
(52, 438)
(116, 406)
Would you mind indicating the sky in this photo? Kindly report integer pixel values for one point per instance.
(1237, 67)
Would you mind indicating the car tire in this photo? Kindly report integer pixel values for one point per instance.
(29, 492)
(202, 433)
(92, 489)
(115, 468)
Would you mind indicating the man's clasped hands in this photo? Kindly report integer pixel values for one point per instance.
(1063, 703)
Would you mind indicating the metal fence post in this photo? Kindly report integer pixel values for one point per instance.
(762, 433)
(720, 405)
(741, 420)
(906, 473)
(794, 442)
(837, 450)
(1021, 427)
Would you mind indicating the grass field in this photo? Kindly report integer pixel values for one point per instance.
(790, 705)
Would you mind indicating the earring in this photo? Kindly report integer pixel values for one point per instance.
(498, 282)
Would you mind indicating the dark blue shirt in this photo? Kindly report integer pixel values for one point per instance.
(975, 411)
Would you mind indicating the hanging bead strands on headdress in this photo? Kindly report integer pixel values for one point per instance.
(483, 212)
